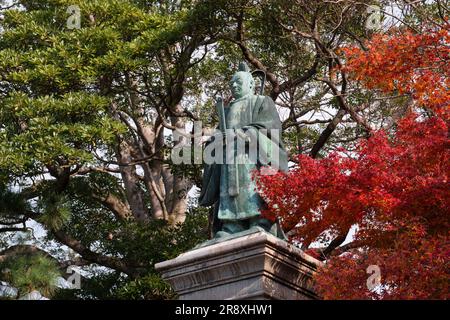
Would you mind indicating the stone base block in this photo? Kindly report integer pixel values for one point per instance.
(248, 266)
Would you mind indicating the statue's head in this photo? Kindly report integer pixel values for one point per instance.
(242, 82)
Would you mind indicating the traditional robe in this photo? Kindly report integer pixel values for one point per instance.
(230, 187)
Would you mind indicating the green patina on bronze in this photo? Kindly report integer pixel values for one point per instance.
(230, 187)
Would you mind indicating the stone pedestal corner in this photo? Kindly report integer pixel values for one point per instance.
(251, 266)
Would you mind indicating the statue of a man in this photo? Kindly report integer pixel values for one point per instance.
(250, 120)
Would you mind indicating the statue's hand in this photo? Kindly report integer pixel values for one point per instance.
(228, 100)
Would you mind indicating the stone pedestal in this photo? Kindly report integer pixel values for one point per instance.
(254, 265)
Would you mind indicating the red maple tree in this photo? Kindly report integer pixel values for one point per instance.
(406, 62)
(393, 190)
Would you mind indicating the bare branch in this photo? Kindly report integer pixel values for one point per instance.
(18, 250)
(343, 104)
(91, 256)
(10, 229)
(325, 135)
(120, 209)
(351, 245)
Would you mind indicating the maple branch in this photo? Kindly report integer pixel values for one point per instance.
(357, 39)
(325, 135)
(340, 98)
(303, 78)
(351, 245)
(336, 242)
(334, 250)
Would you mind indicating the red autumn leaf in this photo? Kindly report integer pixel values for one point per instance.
(394, 188)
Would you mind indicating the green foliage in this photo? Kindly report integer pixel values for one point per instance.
(140, 243)
(67, 105)
(30, 272)
(150, 287)
(100, 285)
(11, 203)
(54, 101)
(143, 244)
(55, 211)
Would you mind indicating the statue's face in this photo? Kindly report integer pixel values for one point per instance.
(241, 84)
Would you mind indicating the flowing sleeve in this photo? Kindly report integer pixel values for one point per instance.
(266, 128)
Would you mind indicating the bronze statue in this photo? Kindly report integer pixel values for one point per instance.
(250, 120)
